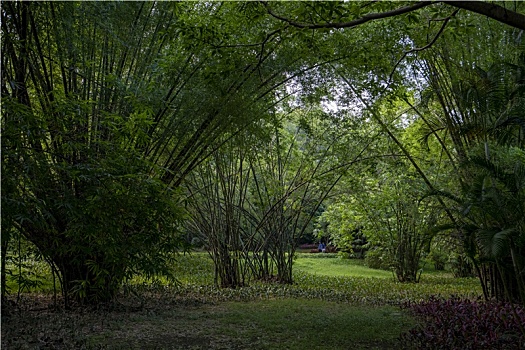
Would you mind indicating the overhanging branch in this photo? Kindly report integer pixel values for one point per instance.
(366, 18)
(491, 10)
(496, 12)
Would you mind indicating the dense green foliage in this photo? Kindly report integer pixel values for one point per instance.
(132, 129)
(75, 183)
(253, 200)
(96, 134)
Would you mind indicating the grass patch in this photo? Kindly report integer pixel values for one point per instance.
(34, 276)
(174, 324)
(333, 279)
(334, 303)
(334, 266)
(313, 324)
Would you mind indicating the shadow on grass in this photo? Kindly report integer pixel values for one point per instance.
(184, 324)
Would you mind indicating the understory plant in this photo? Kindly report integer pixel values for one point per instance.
(464, 324)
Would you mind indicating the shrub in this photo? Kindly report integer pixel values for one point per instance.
(378, 258)
(465, 324)
(359, 244)
(461, 266)
(438, 259)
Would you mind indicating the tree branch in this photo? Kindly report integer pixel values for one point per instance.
(403, 149)
(366, 18)
(496, 12)
(417, 49)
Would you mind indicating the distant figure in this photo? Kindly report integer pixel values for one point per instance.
(322, 247)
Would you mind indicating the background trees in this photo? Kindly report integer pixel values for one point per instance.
(446, 75)
(105, 118)
(254, 199)
(75, 181)
(119, 119)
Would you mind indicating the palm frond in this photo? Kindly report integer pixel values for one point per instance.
(495, 243)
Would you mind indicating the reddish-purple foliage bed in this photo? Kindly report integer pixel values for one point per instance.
(466, 325)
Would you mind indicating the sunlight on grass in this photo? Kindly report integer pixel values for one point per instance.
(316, 276)
(328, 279)
(335, 267)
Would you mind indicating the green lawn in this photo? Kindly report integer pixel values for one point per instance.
(312, 324)
(332, 265)
(270, 324)
(333, 304)
(327, 278)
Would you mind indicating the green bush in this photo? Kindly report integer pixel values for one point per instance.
(461, 266)
(439, 259)
(378, 258)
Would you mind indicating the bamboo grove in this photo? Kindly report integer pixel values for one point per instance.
(132, 129)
